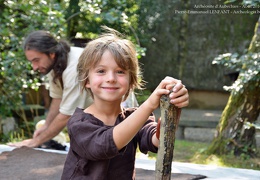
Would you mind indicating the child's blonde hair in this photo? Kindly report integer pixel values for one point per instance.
(123, 52)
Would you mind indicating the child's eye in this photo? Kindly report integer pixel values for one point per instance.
(101, 71)
(121, 72)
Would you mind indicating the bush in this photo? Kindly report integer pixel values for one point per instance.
(17, 19)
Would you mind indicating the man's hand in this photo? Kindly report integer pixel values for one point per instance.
(28, 142)
(39, 130)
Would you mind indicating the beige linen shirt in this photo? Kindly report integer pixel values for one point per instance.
(71, 94)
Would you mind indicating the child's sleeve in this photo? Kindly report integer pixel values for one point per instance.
(144, 136)
(92, 140)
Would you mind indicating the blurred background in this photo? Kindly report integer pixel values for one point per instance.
(211, 45)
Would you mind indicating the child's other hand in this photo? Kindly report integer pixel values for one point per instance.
(179, 95)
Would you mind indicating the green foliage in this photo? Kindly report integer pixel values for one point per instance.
(117, 14)
(24, 132)
(85, 19)
(248, 66)
(17, 19)
(142, 95)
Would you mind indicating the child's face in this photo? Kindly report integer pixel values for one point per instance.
(107, 81)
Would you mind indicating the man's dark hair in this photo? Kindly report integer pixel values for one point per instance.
(44, 42)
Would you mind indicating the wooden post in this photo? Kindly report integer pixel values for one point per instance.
(169, 122)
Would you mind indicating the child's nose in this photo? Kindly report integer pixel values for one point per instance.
(111, 77)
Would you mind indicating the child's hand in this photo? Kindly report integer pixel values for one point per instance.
(179, 95)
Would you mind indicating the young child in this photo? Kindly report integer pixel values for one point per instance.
(104, 136)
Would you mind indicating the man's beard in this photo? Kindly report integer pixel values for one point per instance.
(48, 69)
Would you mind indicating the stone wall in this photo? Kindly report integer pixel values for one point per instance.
(204, 99)
(194, 40)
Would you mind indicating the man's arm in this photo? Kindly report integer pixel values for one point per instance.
(55, 122)
(54, 128)
(53, 112)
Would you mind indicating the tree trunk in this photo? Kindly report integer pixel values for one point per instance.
(233, 134)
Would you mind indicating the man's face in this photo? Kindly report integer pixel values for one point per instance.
(40, 61)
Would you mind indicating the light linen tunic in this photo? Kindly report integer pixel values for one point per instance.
(71, 95)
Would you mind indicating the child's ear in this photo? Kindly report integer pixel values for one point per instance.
(87, 85)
